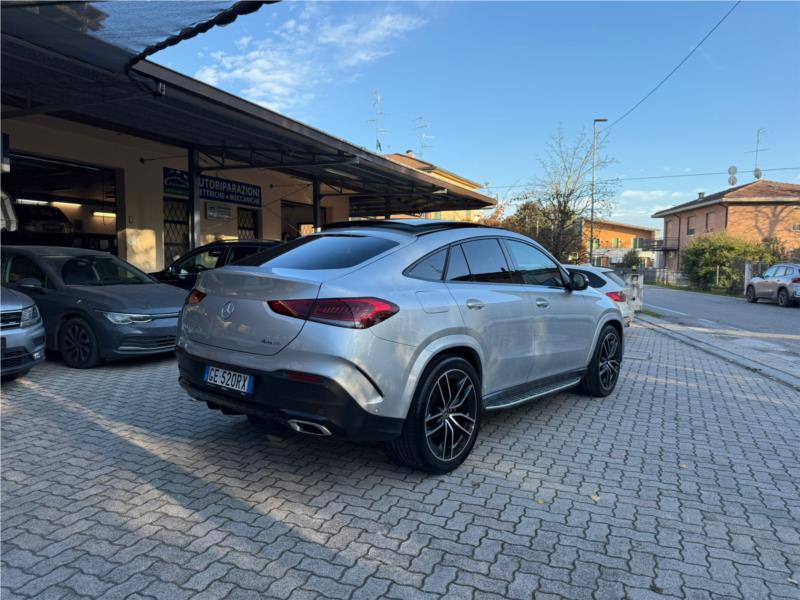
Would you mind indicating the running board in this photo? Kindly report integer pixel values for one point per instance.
(508, 400)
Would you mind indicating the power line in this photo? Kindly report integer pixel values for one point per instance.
(614, 179)
(678, 66)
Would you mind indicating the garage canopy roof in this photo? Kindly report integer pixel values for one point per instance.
(87, 67)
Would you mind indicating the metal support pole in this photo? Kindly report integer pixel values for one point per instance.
(316, 201)
(591, 218)
(594, 166)
(387, 208)
(195, 205)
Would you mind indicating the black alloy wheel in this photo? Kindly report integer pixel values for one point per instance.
(450, 415)
(783, 298)
(444, 418)
(78, 344)
(603, 372)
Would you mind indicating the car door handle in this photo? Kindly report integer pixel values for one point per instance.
(542, 303)
(475, 304)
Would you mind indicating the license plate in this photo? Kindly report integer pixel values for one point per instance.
(229, 379)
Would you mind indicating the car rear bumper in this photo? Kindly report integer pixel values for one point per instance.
(276, 397)
(22, 348)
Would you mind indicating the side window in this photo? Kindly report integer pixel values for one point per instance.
(532, 266)
(780, 272)
(201, 261)
(486, 261)
(457, 269)
(21, 267)
(595, 281)
(431, 267)
(770, 272)
(239, 252)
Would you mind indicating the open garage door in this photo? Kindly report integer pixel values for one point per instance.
(60, 203)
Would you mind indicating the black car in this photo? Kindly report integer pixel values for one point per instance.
(183, 272)
(38, 223)
(95, 306)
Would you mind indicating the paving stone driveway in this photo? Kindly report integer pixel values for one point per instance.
(684, 483)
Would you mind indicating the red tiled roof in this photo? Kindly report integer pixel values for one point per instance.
(762, 190)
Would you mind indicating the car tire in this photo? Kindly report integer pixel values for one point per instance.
(603, 373)
(783, 298)
(78, 344)
(751, 294)
(17, 375)
(443, 420)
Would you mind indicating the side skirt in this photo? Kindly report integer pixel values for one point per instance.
(531, 391)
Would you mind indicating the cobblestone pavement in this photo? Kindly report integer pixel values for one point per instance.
(684, 483)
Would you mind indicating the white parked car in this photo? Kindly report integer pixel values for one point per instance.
(607, 282)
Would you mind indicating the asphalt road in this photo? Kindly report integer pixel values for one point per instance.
(713, 311)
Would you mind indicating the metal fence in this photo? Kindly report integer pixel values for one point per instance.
(730, 278)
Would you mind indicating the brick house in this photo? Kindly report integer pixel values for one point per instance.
(754, 211)
(612, 240)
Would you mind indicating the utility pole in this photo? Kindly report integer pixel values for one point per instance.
(594, 165)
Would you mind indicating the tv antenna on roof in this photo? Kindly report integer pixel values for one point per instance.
(424, 136)
(376, 120)
(756, 168)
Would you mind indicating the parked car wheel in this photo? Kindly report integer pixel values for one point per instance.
(783, 298)
(78, 344)
(17, 375)
(443, 420)
(603, 373)
(751, 294)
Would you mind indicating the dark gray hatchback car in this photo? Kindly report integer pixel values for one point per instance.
(95, 306)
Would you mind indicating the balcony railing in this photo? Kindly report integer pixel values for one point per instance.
(660, 245)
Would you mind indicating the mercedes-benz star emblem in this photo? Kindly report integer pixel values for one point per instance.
(226, 311)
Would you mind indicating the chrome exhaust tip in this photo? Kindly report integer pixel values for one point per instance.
(309, 427)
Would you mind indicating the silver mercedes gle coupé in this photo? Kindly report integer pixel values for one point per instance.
(397, 331)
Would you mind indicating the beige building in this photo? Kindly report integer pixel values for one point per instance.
(148, 163)
(755, 211)
(409, 160)
(612, 240)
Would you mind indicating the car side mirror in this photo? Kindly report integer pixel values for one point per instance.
(578, 282)
(30, 284)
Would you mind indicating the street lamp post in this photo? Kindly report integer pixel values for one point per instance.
(594, 162)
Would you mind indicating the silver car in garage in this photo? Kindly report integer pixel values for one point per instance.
(397, 331)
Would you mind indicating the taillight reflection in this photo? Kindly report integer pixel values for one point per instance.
(356, 313)
(195, 297)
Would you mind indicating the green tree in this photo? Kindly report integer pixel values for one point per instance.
(631, 259)
(709, 253)
(559, 198)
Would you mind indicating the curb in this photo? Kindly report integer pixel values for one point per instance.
(776, 375)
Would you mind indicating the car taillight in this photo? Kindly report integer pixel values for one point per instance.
(195, 296)
(357, 313)
(616, 296)
(796, 280)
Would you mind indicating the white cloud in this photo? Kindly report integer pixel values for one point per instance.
(283, 70)
(244, 41)
(646, 196)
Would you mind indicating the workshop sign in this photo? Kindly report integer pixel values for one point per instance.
(176, 184)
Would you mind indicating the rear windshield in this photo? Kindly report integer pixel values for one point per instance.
(320, 252)
(615, 278)
(97, 270)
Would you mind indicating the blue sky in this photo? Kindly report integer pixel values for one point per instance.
(494, 80)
